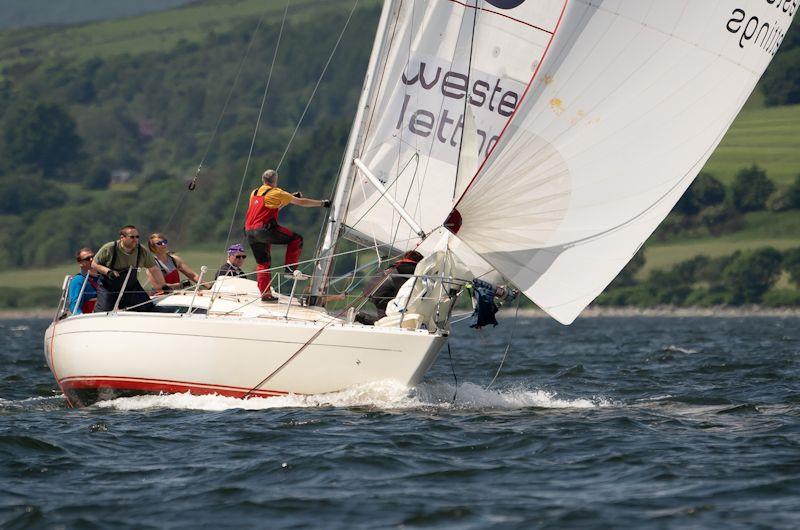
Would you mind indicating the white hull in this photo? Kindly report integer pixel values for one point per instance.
(100, 356)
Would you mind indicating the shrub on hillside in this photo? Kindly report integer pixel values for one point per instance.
(27, 193)
(791, 264)
(720, 219)
(781, 83)
(627, 275)
(708, 297)
(752, 275)
(669, 287)
(751, 189)
(782, 298)
(636, 295)
(705, 191)
(41, 136)
(779, 201)
(793, 194)
(98, 177)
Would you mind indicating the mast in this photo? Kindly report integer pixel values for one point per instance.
(347, 172)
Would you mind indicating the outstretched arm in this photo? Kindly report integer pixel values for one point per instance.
(311, 203)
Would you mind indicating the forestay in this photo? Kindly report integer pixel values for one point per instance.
(627, 105)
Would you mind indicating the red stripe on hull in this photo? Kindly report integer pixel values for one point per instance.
(83, 391)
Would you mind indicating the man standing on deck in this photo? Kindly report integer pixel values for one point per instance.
(113, 261)
(262, 228)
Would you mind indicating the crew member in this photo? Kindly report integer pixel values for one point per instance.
(171, 265)
(262, 228)
(86, 274)
(233, 267)
(386, 286)
(113, 261)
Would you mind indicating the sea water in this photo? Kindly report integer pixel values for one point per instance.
(643, 422)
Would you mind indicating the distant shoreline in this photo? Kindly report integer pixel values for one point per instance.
(591, 312)
(673, 311)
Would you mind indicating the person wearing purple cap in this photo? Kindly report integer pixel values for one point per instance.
(233, 267)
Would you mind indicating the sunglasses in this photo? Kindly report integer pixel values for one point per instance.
(87, 258)
(241, 256)
(132, 237)
(162, 243)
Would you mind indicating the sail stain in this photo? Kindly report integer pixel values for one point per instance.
(557, 106)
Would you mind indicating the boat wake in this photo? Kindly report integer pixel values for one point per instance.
(382, 395)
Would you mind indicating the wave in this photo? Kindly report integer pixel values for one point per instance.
(382, 395)
(40, 403)
(672, 348)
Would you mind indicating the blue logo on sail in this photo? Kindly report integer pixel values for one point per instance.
(506, 4)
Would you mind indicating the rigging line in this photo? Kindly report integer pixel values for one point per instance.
(379, 83)
(368, 121)
(467, 97)
(421, 182)
(299, 263)
(347, 307)
(408, 194)
(524, 94)
(230, 95)
(508, 346)
(411, 38)
(258, 122)
(455, 377)
(193, 183)
(453, 58)
(310, 340)
(415, 156)
(371, 115)
(319, 80)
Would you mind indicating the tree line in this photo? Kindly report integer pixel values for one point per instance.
(708, 207)
(67, 126)
(742, 277)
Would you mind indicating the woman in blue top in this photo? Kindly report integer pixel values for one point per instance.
(84, 258)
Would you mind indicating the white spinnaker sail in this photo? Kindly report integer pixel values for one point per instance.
(433, 65)
(630, 101)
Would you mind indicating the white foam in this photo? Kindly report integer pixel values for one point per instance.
(383, 395)
(679, 349)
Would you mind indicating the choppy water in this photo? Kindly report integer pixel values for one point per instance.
(612, 422)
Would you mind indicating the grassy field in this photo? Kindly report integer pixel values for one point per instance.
(762, 229)
(151, 32)
(769, 137)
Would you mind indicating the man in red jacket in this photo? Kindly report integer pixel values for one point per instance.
(262, 228)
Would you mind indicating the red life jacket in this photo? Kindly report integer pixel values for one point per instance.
(170, 276)
(88, 305)
(258, 214)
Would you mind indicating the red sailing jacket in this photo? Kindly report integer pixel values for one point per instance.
(259, 215)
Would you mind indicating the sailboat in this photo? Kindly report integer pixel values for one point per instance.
(541, 141)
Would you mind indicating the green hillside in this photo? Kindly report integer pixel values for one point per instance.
(152, 32)
(768, 137)
(140, 97)
(28, 13)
